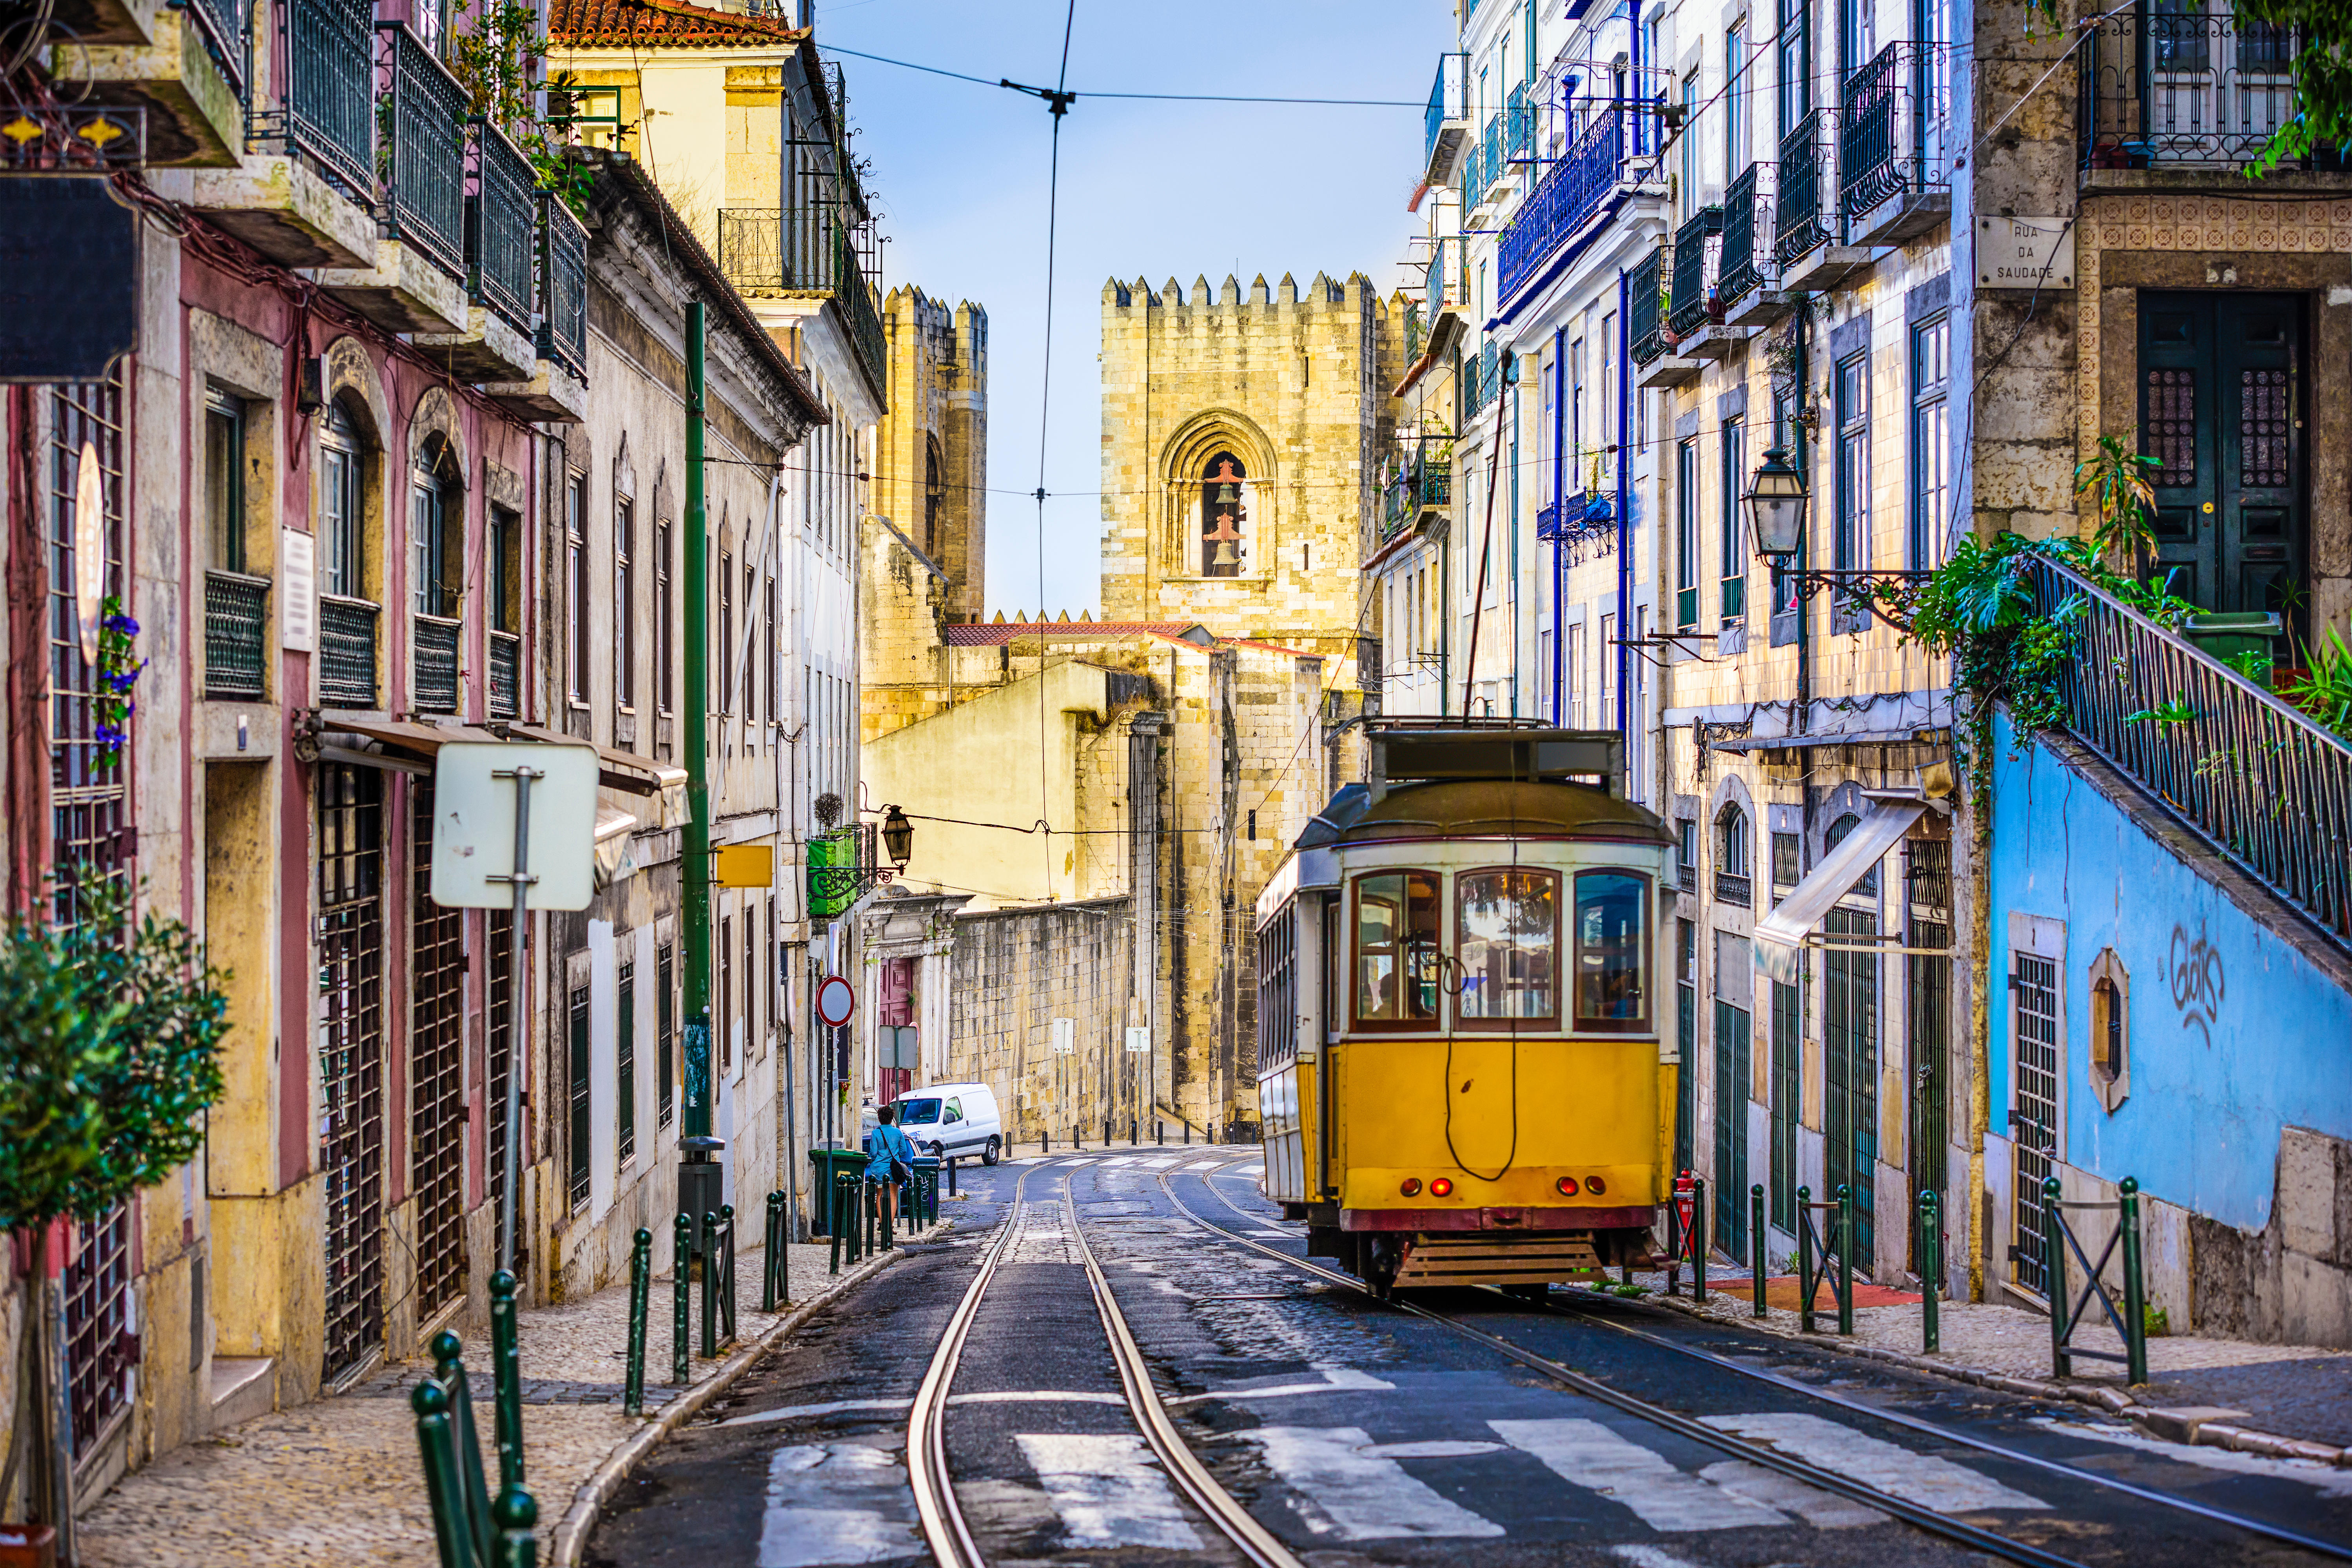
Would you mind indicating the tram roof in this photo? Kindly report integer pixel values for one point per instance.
(1482, 808)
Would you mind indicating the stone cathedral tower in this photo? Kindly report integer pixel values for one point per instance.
(1241, 439)
(931, 466)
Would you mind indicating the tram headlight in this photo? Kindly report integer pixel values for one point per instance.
(1411, 1186)
(1595, 1186)
(1566, 1185)
(1440, 1188)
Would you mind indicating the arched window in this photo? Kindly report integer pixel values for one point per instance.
(1866, 885)
(342, 492)
(436, 511)
(1735, 849)
(932, 498)
(1225, 517)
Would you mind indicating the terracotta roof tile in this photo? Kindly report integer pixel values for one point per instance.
(591, 23)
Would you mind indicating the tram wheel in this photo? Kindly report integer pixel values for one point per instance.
(1385, 1257)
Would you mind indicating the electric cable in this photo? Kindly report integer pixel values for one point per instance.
(1060, 97)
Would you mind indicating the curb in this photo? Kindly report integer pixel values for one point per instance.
(2156, 1420)
(569, 1536)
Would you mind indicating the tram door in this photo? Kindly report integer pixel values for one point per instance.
(1850, 1075)
(2221, 408)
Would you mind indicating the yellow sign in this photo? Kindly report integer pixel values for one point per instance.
(744, 865)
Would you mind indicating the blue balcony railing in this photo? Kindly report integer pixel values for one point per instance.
(1570, 191)
(1446, 106)
(424, 158)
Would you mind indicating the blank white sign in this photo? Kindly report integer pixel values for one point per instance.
(474, 825)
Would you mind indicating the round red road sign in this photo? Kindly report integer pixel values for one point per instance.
(837, 1001)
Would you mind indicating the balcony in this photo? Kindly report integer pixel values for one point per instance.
(1482, 379)
(502, 245)
(1447, 125)
(1569, 194)
(1420, 487)
(1808, 231)
(2257, 780)
(345, 676)
(433, 666)
(556, 389)
(1645, 325)
(1449, 280)
(1749, 283)
(1731, 887)
(303, 194)
(417, 284)
(783, 252)
(1583, 523)
(236, 637)
(2202, 90)
(1896, 146)
(1698, 255)
(505, 676)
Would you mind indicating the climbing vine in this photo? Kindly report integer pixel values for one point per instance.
(492, 56)
(118, 665)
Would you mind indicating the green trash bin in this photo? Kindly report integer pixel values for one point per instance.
(2236, 634)
(825, 1164)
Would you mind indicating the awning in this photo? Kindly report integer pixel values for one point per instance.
(616, 841)
(1791, 923)
(615, 769)
(1921, 735)
(398, 745)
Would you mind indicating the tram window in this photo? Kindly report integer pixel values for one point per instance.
(1396, 947)
(1504, 937)
(1611, 956)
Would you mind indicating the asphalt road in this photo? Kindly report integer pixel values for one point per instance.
(1358, 1433)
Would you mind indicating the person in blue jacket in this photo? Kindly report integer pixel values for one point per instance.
(890, 1158)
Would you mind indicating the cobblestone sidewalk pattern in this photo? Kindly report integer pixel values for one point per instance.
(337, 1484)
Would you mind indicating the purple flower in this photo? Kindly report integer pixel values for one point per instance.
(108, 735)
(123, 624)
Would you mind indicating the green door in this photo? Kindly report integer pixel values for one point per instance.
(2222, 410)
(1850, 1075)
(1731, 1081)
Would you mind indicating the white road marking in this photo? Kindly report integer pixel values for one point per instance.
(1207, 1165)
(1342, 1492)
(1922, 1479)
(1275, 1234)
(1823, 1511)
(1109, 1491)
(1587, 1454)
(812, 1517)
(2330, 1481)
(796, 1412)
(1437, 1448)
(1336, 1379)
(1643, 1556)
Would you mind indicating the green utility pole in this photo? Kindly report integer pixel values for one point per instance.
(699, 1174)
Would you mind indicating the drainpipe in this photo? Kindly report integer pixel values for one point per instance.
(1511, 386)
(1624, 486)
(1634, 27)
(1559, 496)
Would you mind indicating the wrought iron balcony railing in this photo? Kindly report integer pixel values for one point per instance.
(1449, 276)
(226, 26)
(1482, 378)
(1584, 522)
(1895, 128)
(502, 225)
(2201, 89)
(1570, 191)
(1747, 264)
(843, 867)
(1446, 106)
(1422, 480)
(1698, 249)
(424, 157)
(562, 286)
(1645, 326)
(2257, 779)
(433, 669)
(327, 113)
(346, 662)
(768, 251)
(1731, 887)
(236, 635)
(1804, 210)
(505, 676)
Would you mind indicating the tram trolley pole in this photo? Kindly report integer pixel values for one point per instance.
(1756, 1244)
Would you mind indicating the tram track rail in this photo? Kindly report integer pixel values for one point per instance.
(1925, 1518)
(946, 1530)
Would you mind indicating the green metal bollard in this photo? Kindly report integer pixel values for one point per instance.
(2134, 1286)
(438, 1448)
(516, 1514)
(506, 1378)
(771, 1251)
(727, 1280)
(641, 1290)
(784, 1249)
(710, 1285)
(2054, 1249)
(1756, 1242)
(474, 1493)
(1805, 1282)
(682, 1343)
(1845, 1259)
(1931, 1272)
(886, 1194)
(833, 1222)
(1698, 1238)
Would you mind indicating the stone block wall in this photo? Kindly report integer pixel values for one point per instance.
(1015, 971)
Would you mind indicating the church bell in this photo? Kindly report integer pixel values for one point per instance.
(1225, 556)
(1227, 495)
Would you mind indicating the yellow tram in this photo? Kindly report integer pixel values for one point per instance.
(1463, 1072)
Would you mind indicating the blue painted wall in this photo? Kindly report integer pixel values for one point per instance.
(2229, 1041)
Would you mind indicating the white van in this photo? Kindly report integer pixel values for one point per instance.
(953, 1119)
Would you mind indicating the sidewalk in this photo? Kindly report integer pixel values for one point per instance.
(338, 1484)
(2290, 1400)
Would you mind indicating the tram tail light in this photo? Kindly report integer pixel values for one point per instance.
(1566, 1185)
(1595, 1186)
(1411, 1186)
(1440, 1188)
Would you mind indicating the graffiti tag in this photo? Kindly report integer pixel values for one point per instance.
(2198, 983)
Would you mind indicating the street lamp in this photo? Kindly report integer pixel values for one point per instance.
(898, 838)
(1776, 507)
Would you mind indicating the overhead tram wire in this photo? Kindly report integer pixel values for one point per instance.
(1059, 94)
(1057, 105)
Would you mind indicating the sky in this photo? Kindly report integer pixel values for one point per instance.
(1154, 190)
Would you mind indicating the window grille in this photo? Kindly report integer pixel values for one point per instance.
(436, 1132)
(350, 1058)
(2034, 1038)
